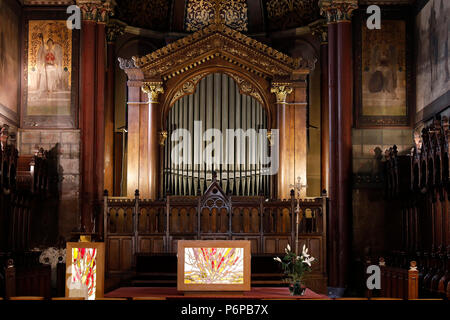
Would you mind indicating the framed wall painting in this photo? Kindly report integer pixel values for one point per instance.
(85, 274)
(383, 70)
(432, 36)
(50, 71)
(213, 265)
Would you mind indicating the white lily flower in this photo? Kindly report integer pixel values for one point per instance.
(277, 259)
(305, 252)
(307, 262)
(289, 247)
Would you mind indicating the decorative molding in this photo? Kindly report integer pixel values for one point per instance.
(218, 40)
(200, 13)
(96, 10)
(162, 137)
(188, 87)
(281, 90)
(285, 14)
(246, 87)
(319, 29)
(337, 10)
(126, 63)
(135, 75)
(269, 137)
(153, 89)
(114, 29)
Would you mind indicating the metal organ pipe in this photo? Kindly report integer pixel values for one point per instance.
(218, 104)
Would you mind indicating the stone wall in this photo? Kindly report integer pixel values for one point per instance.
(68, 142)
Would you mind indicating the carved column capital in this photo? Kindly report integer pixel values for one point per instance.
(337, 10)
(281, 90)
(153, 89)
(113, 31)
(162, 137)
(96, 10)
(319, 29)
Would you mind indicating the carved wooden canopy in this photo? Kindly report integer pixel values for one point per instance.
(175, 70)
(218, 40)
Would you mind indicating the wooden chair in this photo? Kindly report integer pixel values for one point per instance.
(67, 298)
(111, 299)
(148, 298)
(26, 298)
(351, 298)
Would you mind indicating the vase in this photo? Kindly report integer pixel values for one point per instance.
(297, 289)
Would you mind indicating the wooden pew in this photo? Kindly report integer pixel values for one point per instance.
(397, 282)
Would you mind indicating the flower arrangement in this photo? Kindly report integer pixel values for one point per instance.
(295, 267)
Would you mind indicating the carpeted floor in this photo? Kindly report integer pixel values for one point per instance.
(257, 293)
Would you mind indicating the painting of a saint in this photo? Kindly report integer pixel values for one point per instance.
(433, 63)
(384, 70)
(49, 68)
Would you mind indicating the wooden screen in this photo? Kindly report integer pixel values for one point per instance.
(218, 104)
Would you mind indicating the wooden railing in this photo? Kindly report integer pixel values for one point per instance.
(397, 281)
(134, 226)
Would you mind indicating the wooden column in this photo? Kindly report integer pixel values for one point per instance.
(340, 85)
(136, 103)
(100, 112)
(113, 31)
(94, 16)
(153, 90)
(282, 91)
(332, 169)
(320, 30)
(87, 121)
(291, 118)
(345, 108)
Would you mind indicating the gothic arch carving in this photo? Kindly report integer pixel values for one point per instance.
(187, 85)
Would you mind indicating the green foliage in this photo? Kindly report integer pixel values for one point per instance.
(295, 267)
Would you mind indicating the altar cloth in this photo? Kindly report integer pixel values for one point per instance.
(256, 293)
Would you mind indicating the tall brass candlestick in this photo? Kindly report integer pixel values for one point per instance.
(298, 188)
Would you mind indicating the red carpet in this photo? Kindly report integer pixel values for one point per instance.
(172, 293)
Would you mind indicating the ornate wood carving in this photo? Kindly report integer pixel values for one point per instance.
(281, 90)
(219, 40)
(200, 13)
(153, 90)
(188, 87)
(283, 14)
(338, 10)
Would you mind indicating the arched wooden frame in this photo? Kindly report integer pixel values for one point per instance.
(258, 86)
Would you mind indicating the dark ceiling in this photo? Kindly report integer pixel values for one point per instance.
(249, 16)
